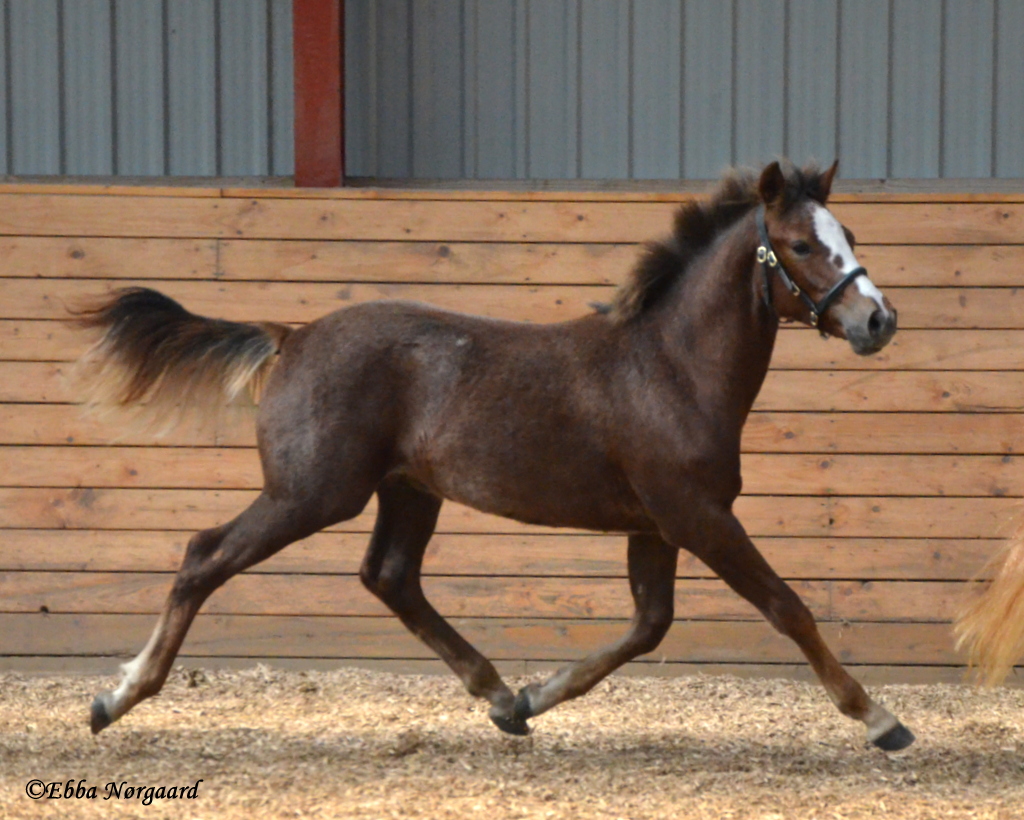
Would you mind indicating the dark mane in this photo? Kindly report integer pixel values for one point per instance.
(697, 224)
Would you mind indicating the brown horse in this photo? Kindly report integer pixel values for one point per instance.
(625, 420)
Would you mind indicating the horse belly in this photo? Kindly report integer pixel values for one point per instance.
(584, 493)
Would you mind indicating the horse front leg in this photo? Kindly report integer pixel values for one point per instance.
(406, 517)
(652, 575)
(724, 546)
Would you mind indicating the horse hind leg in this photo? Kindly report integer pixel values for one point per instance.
(406, 517)
(213, 556)
(652, 572)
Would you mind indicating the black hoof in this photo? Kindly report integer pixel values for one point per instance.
(898, 737)
(99, 718)
(511, 725)
(516, 723)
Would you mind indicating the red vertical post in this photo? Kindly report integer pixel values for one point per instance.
(318, 46)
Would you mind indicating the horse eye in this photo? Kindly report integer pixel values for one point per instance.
(801, 248)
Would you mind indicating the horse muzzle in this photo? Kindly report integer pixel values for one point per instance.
(872, 332)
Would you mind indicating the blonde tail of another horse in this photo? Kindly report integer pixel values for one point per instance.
(991, 627)
(155, 359)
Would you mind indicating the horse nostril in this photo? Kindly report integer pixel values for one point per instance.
(877, 323)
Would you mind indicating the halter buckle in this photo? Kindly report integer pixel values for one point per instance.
(795, 290)
(766, 256)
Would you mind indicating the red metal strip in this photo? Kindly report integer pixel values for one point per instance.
(318, 39)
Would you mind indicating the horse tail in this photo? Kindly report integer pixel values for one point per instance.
(155, 357)
(991, 627)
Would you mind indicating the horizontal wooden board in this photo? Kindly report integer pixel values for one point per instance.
(468, 221)
(91, 257)
(479, 596)
(895, 432)
(42, 214)
(50, 340)
(544, 555)
(765, 432)
(855, 601)
(297, 302)
(426, 262)
(556, 263)
(943, 265)
(443, 262)
(763, 473)
(889, 475)
(783, 390)
(949, 349)
(68, 424)
(39, 382)
(844, 517)
(939, 223)
(41, 341)
(892, 391)
(499, 638)
(210, 467)
(491, 596)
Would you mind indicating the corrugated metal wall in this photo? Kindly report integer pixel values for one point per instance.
(537, 89)
(596, 89)
(146, 87)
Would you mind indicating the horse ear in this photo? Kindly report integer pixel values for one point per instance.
(772, 183)
(825, 182)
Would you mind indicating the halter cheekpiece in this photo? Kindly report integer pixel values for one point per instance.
(770, 262)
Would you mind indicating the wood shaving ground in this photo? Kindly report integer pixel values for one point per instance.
(356, 743)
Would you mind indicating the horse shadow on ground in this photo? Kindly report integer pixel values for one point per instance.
(482, 756)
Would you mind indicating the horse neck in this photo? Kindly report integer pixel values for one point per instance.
(716, 328)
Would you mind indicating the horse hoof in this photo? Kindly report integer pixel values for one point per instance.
(511, 725)
(515, 724)
(99, 717)
(898, 737)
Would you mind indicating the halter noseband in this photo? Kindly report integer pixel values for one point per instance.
(770, 262)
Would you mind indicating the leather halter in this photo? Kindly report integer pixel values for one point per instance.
(770, 262)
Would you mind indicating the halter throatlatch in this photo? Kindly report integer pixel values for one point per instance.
(770, 262)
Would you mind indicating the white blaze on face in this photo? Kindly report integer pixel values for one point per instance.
(831, 235)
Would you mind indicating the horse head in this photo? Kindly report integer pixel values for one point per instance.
(811, 273)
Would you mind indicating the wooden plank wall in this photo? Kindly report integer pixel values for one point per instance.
(876, 485)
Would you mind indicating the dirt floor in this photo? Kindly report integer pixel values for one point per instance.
(362, 744)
